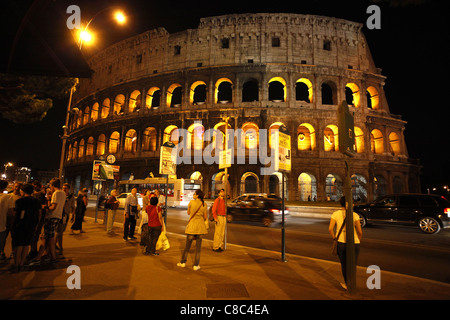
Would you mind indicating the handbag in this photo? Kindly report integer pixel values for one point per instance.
(335, 240)
(163, 242)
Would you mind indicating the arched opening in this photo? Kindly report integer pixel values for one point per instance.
(373, 100)
(174, 95)
(105, 108)
(397, 184)
(277, 89)
(307, 187)
(101, 144)
(153, 98)
(306, 137)
(379, 186)
(195, 137)
(86, 115)
(273, 128)
(69, 153)
(196, 175)
(119, 105)
(171, 134)
(219, 136)
(376, 142)
(352, 94)
(197, 94)
(329, 93)
(94, 112)
(359, 140)
(217, 183)
(81, 149)
(149, 139)
(249, 183)
(250, 91)
(223, 91)
(359, 191)
(75, 150)
(114, 142)
(330, 138)
(333, 187)
(134, 104)
(394, 143)
(304, 90)
(251, 134)
(90, 147)
(79, 118)
(131, 141)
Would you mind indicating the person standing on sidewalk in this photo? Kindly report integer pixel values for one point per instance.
(338, 219)
(52, 218)
(219, 212)
(6, 208)
(131, 211)
(112, 204)
(69, 210)
(26, 218)
(82, 202)
(155, 225)
(195, 228)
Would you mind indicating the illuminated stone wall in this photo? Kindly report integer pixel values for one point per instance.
(261, 70)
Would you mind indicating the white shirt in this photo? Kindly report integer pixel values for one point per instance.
(338, 216)
(58, 197)
(6, 202)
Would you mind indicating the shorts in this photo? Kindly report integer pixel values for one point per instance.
(62, 225)
(50, 226)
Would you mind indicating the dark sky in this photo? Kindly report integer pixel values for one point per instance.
(411, 48)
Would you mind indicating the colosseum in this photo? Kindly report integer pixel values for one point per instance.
(260, 71)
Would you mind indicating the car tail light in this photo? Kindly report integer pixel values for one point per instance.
(447, 212)
(277, 211)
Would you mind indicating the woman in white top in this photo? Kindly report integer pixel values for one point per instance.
(195, 228)
(337, 219)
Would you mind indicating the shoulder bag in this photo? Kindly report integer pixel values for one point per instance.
(335, 240)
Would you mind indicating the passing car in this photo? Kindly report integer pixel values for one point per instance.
(256, 207)
(123, 196)
(429, 212)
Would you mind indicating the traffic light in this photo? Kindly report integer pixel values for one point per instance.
(346, 129)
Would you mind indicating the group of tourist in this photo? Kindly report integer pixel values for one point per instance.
(36, 217)
(152, 222)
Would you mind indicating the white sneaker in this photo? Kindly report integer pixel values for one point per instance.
(196, 268)
(182, 265)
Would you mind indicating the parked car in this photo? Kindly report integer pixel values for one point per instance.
(123, 196)
(429, 212)
(256, 207)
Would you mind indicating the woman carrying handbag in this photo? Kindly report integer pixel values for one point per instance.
(195, 228)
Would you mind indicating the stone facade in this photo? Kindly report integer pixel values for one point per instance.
(261, 71)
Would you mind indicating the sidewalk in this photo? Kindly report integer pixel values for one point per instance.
(116, 270)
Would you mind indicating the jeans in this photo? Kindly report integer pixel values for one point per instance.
(342, 254)
(129, 226)
(189, 239)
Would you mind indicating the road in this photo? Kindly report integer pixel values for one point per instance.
(401, 249)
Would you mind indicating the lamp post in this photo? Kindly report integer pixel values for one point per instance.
(9, 164)
(84, 36)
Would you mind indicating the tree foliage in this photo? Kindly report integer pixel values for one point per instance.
(26, 99)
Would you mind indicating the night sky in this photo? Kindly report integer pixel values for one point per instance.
(411, 49)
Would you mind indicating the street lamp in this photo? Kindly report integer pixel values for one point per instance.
(9, 164)
(83, 36)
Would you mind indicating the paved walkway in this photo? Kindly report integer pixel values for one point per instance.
(116, 270)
